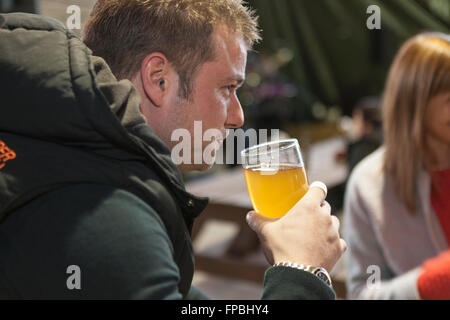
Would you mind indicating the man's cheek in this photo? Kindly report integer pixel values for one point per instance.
(210, 152)
(212, 140)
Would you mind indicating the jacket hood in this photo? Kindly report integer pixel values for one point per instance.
(53, 90)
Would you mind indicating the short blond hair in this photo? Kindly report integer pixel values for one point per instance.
(420, 71)
(124, 32)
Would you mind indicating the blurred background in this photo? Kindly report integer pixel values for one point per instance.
(318, 76)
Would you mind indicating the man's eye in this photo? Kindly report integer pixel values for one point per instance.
(231, 88)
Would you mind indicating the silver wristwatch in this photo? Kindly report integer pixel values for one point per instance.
(319, 272)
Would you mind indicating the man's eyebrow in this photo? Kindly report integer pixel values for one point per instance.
(240, 80)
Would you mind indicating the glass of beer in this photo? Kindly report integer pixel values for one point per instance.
(275, 175)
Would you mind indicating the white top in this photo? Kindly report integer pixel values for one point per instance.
(382, 235)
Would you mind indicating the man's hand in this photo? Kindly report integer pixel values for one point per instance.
(308, 234)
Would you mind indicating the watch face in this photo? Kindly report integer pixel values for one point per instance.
(322, 275)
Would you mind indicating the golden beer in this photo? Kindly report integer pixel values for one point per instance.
(274, 192)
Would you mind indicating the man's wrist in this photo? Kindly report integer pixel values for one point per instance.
(319, 272)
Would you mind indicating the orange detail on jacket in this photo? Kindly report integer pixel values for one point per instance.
(5, 154)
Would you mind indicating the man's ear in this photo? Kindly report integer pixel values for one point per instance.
(154, 74)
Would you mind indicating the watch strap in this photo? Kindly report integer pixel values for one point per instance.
(319, 272)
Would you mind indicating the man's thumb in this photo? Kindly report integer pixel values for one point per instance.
(256, 221)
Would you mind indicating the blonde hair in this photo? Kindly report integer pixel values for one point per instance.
(420, 71)
(124, 32)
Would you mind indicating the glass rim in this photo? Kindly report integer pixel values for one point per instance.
(248, 151)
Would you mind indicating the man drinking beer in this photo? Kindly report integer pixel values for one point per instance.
(93, 184)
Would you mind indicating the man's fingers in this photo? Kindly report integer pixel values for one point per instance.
(256, 221)
(321, 186)
(326, 206)
(336, 222)
(317, 192)
(343, 245)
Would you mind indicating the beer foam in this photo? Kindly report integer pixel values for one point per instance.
(266, 169)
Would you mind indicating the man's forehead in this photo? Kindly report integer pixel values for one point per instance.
(223, 37)
(231, 52)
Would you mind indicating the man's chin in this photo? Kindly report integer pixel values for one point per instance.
(204, 167)
(195, 167)
(203, 160)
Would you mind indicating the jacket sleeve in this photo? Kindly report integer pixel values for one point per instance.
(368, 275)
(127, 253)
(285, 283)
(116, 241)
(136, 261)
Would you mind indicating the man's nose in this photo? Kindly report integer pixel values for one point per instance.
(235, 116)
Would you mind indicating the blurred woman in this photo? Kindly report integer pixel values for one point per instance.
(397, 204)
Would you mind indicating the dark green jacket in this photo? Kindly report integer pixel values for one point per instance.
(85, 182)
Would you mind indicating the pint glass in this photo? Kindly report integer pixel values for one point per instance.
(275, 175)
